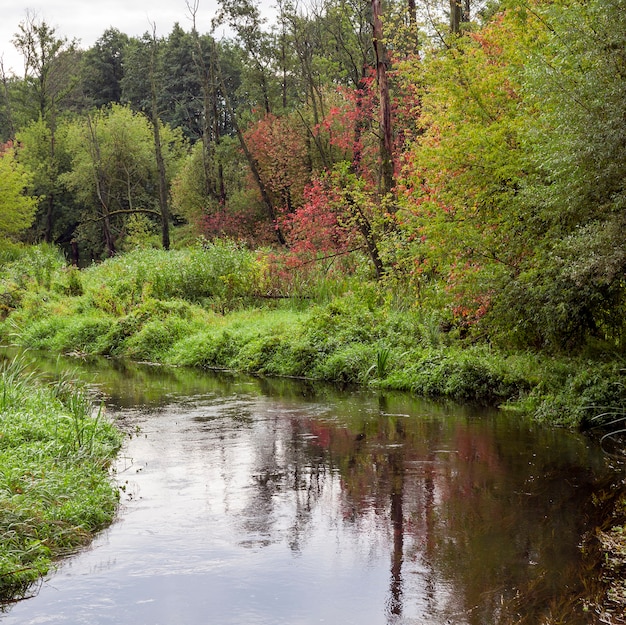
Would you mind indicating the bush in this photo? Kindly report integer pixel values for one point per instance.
(222, 271)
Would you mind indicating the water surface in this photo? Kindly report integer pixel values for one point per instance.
(256, 502)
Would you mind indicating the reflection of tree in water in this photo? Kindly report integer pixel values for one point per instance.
(470, 518)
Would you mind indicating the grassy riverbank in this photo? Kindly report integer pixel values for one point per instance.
(207, 306)
(217, 306)
(55, 489)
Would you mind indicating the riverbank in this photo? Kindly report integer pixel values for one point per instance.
(55, 488)
(203, 308)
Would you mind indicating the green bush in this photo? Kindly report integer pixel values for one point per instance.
(347, 365)
(222, 271)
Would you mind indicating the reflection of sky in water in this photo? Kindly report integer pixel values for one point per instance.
(240, 508)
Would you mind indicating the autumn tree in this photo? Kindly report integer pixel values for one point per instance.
(460, 208)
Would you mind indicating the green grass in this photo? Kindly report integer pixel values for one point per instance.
(203, 307)
(55, 489)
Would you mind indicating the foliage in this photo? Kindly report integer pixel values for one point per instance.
(17, 209)
(278, 145)
(462, 176)
(575, 201)
(222, 270)
(113, 172)
(44, 152)
(55, 489)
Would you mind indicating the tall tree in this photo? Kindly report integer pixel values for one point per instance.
(205, 65)
(103, 69)
(50, 76)
(384, 100)
(244, 18)
(49, 73)
(158, 146)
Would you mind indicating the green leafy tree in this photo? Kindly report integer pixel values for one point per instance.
(17, 209)
(44, 153)
(575, 204)
(114, 173)
(103, 69)
(50, 82)
(50, 68)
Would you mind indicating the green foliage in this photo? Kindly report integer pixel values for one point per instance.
(30, 267)
(113, 172)
(222, 271)
(573, 283)
(590, 394)
(44, 152)
(17, 209)
(55, 490)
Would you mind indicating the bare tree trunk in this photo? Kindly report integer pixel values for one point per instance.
(386, 128)
(158, 152)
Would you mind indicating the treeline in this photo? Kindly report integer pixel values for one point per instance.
(473, 164)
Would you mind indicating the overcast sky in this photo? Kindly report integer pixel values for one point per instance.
(87, 20)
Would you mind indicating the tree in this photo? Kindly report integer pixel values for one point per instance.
(158, 146)
(103, 69)
(384, 104)
(7, 124)
(50, 67)
(114, 173)
(244, 18)
(43, 151)
(461, 211)
(575, 201)
(50, 77)
(17, 209)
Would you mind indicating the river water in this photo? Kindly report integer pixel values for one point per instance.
(248, 501)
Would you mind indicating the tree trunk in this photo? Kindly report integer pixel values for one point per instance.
(386, 128)
(459, 14)
(158, 153)
(163, 203)
(367, 233)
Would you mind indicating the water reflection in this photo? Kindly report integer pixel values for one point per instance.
(269, 501)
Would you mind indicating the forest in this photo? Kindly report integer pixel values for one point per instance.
(469, 158)
(425, 197)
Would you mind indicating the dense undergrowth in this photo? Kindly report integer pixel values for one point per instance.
(215, 305)
(55, 489)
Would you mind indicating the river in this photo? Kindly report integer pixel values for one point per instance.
(247, 501)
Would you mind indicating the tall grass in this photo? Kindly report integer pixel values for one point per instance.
(55, 490)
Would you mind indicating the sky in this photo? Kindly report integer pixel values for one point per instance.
(87, 20)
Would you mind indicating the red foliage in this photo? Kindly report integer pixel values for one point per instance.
(6, 147)
(279, 147)
(317, 227)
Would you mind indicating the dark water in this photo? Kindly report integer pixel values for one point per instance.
(256, 502)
